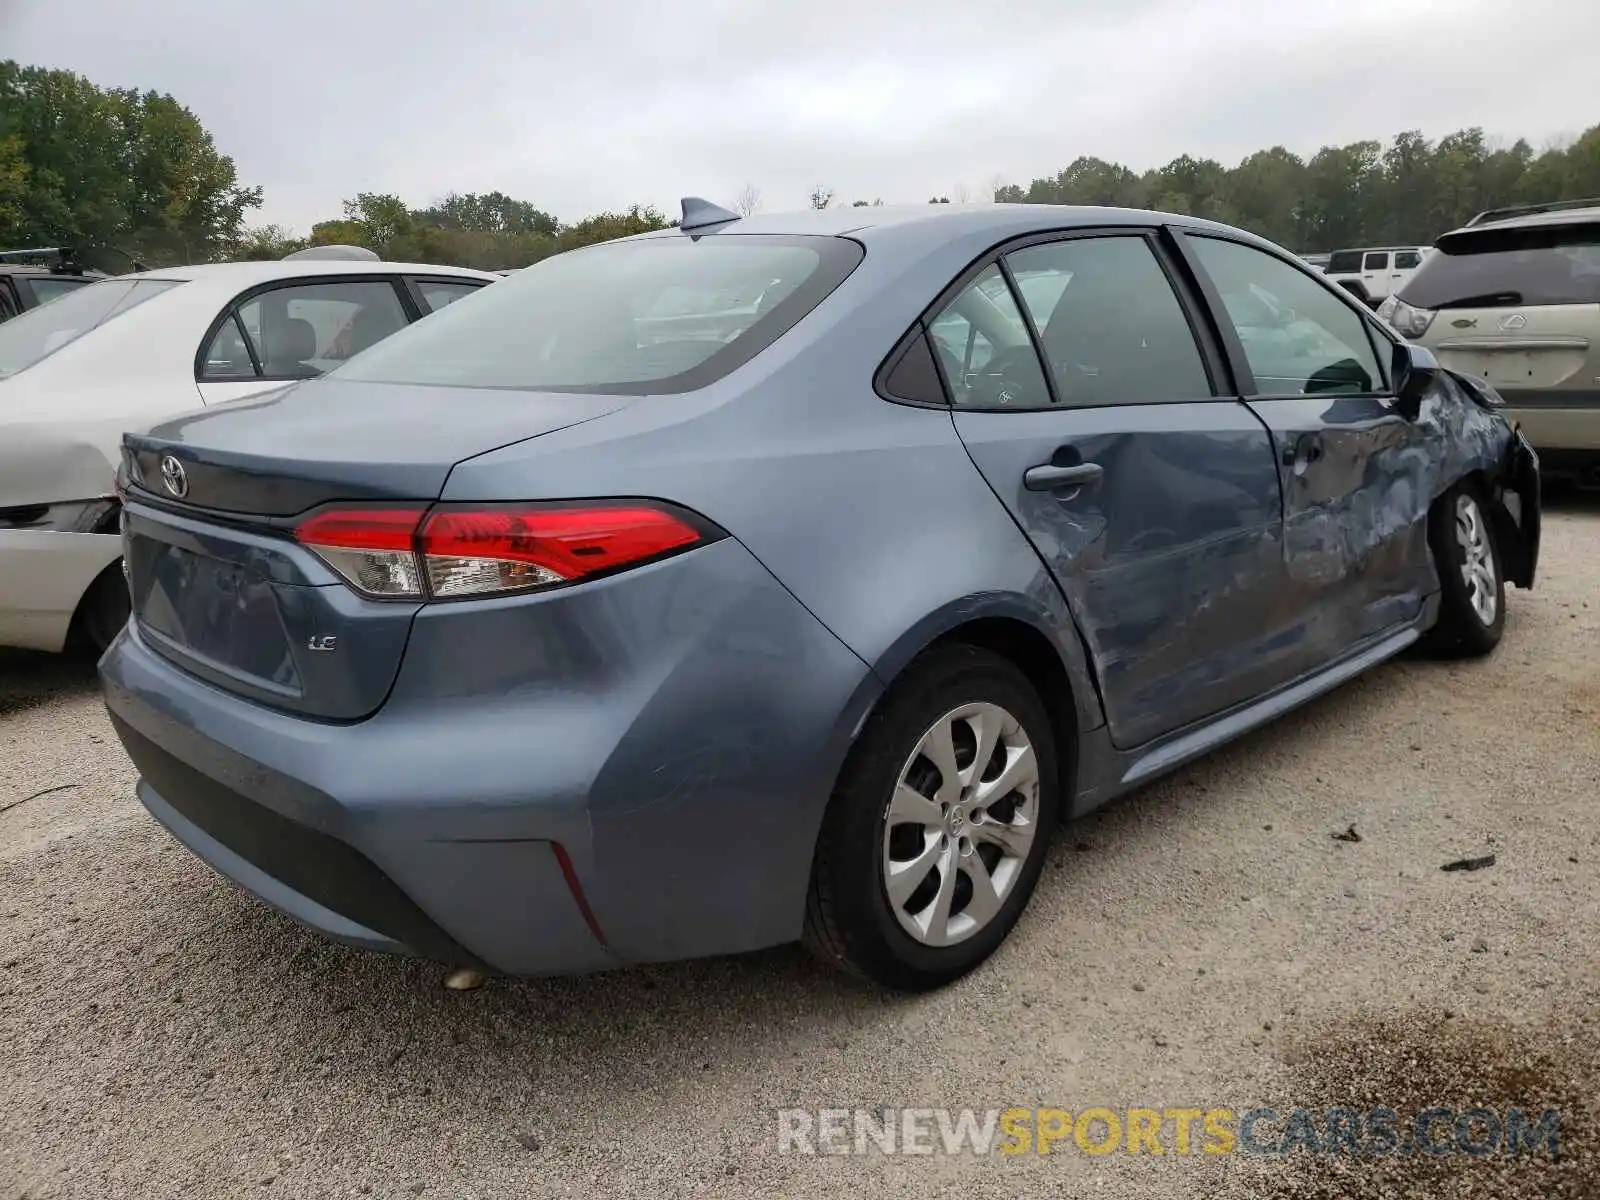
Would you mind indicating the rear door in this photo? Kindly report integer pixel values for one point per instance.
(1405, 266)
(297, 329)
(1356, 560)
(1147, 489)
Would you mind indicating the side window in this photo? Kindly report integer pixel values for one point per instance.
(1376, 261)
(436, 293)
(1298, 337)
(1111, 327)
(914, 375)
(47, 288)
(984, 348)
(304, 329)
(8, 306)
(1406, 259)
(228, 355)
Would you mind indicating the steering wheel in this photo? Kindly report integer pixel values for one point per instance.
(998, 385)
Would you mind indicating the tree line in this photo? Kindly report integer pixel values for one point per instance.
(1407, 192)
(125, 177)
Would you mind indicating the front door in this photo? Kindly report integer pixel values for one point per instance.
(1152, 498)
(1355, 480)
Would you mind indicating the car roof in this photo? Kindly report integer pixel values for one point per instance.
(35, 269)
(1373, 249)
(1528, 230)
(245, 274)
(938, 221)
(1565, 216)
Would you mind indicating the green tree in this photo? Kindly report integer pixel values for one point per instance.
(1408, 190)
(265, 243)
(112, 170)
(492, 212)
(1267, 193)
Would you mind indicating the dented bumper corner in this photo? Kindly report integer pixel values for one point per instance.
(1518, 515)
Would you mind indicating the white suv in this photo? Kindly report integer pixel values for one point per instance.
(1376, 272)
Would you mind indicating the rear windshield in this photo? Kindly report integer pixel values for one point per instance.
(1538, 275)
(666, 314)
(40, 332)
(1344, 262)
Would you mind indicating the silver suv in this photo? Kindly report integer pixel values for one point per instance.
(1513, 297)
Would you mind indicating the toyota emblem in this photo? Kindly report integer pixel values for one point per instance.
(174, 476)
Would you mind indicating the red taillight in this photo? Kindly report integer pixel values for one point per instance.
(373, 548)
(362, 528)
(458, 552)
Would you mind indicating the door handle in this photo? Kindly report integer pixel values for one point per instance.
(1047, 477)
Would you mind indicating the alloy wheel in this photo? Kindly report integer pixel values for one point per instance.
(1478, 569)
(959, 827)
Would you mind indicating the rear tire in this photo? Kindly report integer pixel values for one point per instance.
(958, 844)
(1472, 587)
(104, 609)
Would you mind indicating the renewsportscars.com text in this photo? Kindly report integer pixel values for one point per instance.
(1267, 1132)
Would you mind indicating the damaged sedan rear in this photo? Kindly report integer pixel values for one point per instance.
(786, 578)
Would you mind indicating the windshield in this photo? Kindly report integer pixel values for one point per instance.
(40, 332)
(1541, 275)
(662, 314)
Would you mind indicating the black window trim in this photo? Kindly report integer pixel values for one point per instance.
(10, 299)
(413, 286)
(1244, 377)
(230, 311)
(1020, 303)
(1213, 358)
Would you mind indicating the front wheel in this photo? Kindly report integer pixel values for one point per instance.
(1472, 590)
(938, 827)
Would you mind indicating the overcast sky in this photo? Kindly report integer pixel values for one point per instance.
(584, 106)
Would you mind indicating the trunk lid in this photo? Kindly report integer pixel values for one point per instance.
(219, 585)
(1534, 346)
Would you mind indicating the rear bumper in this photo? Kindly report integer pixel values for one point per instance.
(539, 795)
(1556, 420)
(43, 575)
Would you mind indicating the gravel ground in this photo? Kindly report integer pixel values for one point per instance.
(1205, 943)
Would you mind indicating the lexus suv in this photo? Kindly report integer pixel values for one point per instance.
(1513, 298)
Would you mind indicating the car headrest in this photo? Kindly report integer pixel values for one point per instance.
(292, 343)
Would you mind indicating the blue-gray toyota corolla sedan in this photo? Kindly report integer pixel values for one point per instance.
(785, 578)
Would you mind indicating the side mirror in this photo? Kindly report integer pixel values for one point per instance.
(1415, 369)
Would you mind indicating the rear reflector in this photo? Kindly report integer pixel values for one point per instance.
(458, 552)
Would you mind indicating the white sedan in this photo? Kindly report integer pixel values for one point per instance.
(124, 353)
